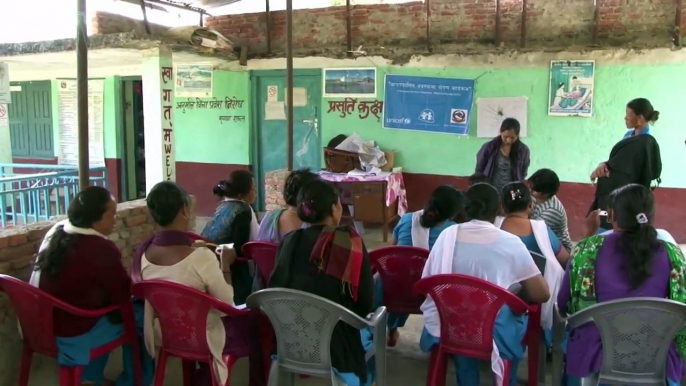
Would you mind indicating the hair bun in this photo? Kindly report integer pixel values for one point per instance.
(654, 116)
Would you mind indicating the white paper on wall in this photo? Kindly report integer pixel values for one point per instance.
(492, 111)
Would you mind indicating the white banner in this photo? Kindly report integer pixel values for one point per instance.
(69, 127)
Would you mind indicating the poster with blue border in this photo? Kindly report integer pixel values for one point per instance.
(437, 105)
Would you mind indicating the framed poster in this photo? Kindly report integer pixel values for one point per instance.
(571, 88)
(194, 80)
(349, 82)
(437, 105)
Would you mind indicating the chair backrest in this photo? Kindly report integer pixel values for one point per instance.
(182, 313)
(35, 309)
(400, 267)
(303, 324)
(636, 334)
(467, 308)
(264, 256)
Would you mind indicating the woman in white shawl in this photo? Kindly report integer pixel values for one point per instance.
(421, 229)
(517, 204)
(478, 248)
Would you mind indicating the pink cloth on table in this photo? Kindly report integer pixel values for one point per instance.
(395, 186)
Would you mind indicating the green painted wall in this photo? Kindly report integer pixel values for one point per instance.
(571, 146)
(201, 137)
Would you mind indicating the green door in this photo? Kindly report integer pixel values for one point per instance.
(271, 146)
(30, 116)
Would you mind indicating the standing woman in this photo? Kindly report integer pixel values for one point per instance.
(505, 158)
(633, 160)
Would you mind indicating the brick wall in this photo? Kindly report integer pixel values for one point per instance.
(549, 22)
(273, 189)
(18, 247)
(108, 23)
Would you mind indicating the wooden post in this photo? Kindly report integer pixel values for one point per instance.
(349, 27)
(82, 93)
(145, 18)
(596, 21)
(522, 41)
(289, 80)
(429, 47)
(269, 28)
(497, 22)
(677, 22)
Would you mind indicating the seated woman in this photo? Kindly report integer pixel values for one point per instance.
(630, 262)
(478, 248)
(170, 255)
(234, 222)
(279, 222)
(421, 229)
(539, 238)
(544, 185)
(320, 259)
(77, 264)
(535, 234)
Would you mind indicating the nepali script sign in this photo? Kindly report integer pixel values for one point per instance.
(438, 105)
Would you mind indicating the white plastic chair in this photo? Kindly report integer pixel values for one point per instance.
(636, 334)
(303, 324)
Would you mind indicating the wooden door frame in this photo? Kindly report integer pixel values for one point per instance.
(255, 76)
(47, 83)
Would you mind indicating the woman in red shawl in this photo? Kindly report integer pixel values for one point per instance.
(330, 261)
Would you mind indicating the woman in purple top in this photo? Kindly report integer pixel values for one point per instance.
(630, 262)
(505, 158)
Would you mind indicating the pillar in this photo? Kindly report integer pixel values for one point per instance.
(158, 97)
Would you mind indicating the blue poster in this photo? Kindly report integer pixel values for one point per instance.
(438, 105)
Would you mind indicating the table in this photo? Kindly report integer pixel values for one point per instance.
(376, 199)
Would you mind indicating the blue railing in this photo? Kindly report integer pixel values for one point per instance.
(34, 192)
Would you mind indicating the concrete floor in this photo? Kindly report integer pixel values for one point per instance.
(406, 364)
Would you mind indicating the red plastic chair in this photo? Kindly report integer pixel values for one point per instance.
(467, 308)
(182, 313)
(264, 256)
(34, 308)
(400, 267)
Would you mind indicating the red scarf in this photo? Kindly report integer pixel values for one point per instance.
(338, 252)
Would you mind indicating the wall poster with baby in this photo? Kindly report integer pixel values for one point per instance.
(571, 88)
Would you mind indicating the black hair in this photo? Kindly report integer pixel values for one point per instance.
(337, 140)
(545, 181)
(482, 202)
(507, 125)
(643, 107)
(477, 178)
(633, 210)
(516, 197)
(296, 179)
(445, 204)
(165, 200)
(239, 183)
(85, 209)
(316, 200)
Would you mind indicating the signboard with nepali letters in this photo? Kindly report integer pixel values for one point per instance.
(169, 159)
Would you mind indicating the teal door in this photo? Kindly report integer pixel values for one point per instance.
(271, 146)
(30, 115)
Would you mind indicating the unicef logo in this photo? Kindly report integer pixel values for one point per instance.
(402, 121)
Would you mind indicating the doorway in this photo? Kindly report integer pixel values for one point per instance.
(134, 139)
(270, 145)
